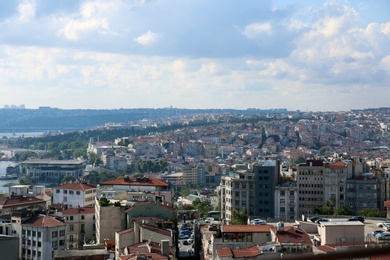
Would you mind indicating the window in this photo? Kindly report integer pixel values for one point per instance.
(70, 192)
(39, 234)
(71, 238)
(54, 234)
(65, 191)
(54, 244)
(78, 192)
(34, 233)
(57, 191)
(62, 232)
(71, 217)
(82, 216)
(71, 227)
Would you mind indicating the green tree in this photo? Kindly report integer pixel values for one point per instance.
(239, 217)
(343, 211)
(372, 212)
(103, 202)
(67, 178)
(322, 151)
(202, 207)
(298, 159)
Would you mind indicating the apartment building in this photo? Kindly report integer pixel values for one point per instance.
(310, 183)
(266, 176)
(286, 201)
(118, 188)
(237, 192)
(335, 176)
(40, 236)
(18, 202)
(364, 192)
(73, 195)
(80, 226)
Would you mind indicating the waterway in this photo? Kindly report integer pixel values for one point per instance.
(3, 167)
(21, 134)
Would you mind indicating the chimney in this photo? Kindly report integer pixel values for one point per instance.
(165, 247)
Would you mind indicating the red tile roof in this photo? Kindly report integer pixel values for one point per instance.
(43, 221)
(247, 252)
(245, 228)
(20, 201)
(125, 231)
(77, 211)
(337, 165)
(133, 182)
(77, 186)
(143, 249)
(292, 235)
(224, 252)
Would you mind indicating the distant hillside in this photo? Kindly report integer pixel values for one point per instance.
(47, 118)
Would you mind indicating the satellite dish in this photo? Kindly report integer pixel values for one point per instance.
(112, 256)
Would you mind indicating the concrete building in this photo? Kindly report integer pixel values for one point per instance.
(239, 237)
(40, 236)
(118, 188)
(80, 226)
(341, 232)
(335, 176)
(52, 171)
(286, 201)
(14, 203)
(139, 233)
(266, 177)
(73, 195)
(9, 247)
(364, 192)
(237, 192)
(108, 220)
(310, 181)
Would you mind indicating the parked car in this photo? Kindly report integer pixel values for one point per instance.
(386, 226)
(209, 219)
(382, 223)
(314, 219)
(383, 236)
(322, 220)
(377, 231)
(356, 218)
(258, 222)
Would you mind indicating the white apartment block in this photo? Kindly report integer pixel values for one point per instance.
(40, 236)
(286, 201)
(74, 195)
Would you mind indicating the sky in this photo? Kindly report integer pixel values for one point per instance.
(111, 54)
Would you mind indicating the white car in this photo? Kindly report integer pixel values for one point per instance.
(383, 223)
(258, 221)
(209, 219)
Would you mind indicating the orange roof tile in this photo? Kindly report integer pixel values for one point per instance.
(247, 252)
(43, 221)
(245, 228)
(161, 231)
(20, 201)
(224, 252)
(76, 211)
(77, 186)
(337, 165)
(292, 235)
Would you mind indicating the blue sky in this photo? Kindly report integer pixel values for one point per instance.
(307, 55)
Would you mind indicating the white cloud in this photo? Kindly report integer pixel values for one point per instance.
(255, 29)
(26, 11)
(146, 38)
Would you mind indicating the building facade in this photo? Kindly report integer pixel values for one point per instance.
(73, 195)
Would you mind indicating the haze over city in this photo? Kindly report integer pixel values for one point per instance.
(299, 55)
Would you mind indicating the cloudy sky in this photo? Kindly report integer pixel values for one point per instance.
(109, 54)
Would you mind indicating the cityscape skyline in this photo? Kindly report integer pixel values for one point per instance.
(322, 56)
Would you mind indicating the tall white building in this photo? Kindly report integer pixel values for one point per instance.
(40, 235)
(74, 195)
